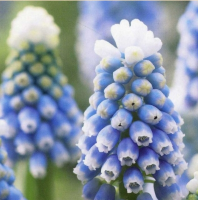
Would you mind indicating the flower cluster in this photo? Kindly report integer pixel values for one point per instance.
(186, 79)
(131, 130)
(37, 102)
(95, 19)
(7, 178)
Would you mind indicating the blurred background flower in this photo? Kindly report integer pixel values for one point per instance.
(66, 16)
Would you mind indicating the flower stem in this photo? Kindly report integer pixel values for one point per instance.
(40, 189)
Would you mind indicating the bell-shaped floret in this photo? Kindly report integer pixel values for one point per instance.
(157, 80)
(121, 120)
(107, 108)
(133, 180)
(47, 107)
(180, 167)
(111, 168)
(156, 60)
(94, 125)
(127, 152)
(44, 137)
(90, 111)
(160, 70)
(107, 139)
(171, 192)
(165, 90)
(144, 196)
(178, 119)
(165, 176)
(30, 95)
(4, 189)
(84, 173)
(114, 91)
(38, 165)
(161, 143)
(106, 192)
(143, 68)
(122, 75)
(101, 81)
(90, 189)
(141, 87)
(132, 102)
(110, 64)
(96, 98)
(140, 133)
(29, 119)
(148, 160)
(168, 107)
(156, 98)
(94, 158)
(85, 143)
(167, 124)
(150, 114)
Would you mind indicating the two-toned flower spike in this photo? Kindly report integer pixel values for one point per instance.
(37, 102)
(131, 130)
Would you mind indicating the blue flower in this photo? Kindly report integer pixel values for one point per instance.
(37, 102)
(132, 134)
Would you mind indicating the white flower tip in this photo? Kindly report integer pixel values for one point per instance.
(34, 25)
(192, 185)
(104, 49)
(133, 54)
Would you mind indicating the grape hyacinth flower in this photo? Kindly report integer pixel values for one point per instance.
(37, 102)
(7, 178)
(131, 131)
(94, 21)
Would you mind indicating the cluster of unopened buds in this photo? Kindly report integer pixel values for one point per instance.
(131, 131)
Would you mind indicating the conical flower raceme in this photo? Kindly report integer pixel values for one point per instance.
(94, 21)
(7, 189)
(37, 102)
(185, 83)
(131, 127)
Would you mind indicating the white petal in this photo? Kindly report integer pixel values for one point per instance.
(104, 49)
(192, 185)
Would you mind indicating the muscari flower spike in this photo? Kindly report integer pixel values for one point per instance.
(7, 189)
(94, 21)
(185, 83)
(37, 102)
(130, 128)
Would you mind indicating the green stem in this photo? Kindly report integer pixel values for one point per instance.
(40, 189)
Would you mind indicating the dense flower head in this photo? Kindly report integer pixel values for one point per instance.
(131, 128)
(185, 83)
(94, 21)
(37, 102)
(7, 189)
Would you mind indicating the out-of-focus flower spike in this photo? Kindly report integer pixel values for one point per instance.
(140, 133)
(38, 165)
(127, 152)
(161, 143)
(111, 168)
(106, 192)
(148, 160)
(31, 95)
(107, 139)
(133, 180)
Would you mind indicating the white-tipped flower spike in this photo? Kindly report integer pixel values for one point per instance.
(42, 117)
(7, 188)
(98, 29)
(131, 130)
